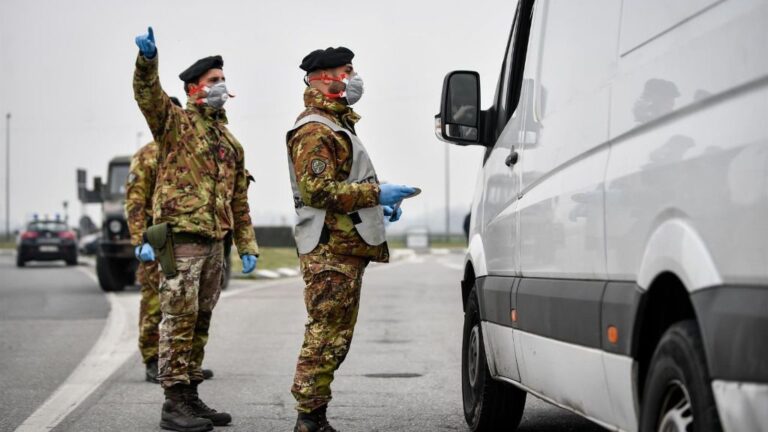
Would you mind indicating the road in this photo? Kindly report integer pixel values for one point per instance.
(402, 374)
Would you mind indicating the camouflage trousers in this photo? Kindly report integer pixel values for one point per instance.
(148, 275)
(332, 299)
(187, 301)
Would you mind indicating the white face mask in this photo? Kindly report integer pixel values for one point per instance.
(216, 95)
(354, 90)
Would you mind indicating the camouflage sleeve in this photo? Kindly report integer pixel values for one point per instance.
(138, 198)
(314, 162)
(154, 103)
(245, 239)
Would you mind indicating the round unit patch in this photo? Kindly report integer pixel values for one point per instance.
(318, 166)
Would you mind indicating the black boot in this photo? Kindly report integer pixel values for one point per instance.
(315, 421)
(151, 371)
(177, 415)
(207, 374)
(204, 411)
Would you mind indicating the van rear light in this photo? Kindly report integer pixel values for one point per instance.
(27, 235)
(67, 235)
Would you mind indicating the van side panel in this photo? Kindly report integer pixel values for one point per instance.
(644, 20)
(565, 134)
(561, 208)
(690, 142)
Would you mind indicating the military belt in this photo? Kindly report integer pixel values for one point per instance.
(188, 238)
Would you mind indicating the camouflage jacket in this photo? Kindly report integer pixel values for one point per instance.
(139, 191)
(314, 146)
(201, 180)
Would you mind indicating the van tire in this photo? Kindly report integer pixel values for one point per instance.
(110, 273)
(678, 384)
(488, 403)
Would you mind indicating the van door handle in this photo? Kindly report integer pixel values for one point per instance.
(512, 159)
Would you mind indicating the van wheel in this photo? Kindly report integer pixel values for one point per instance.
(20, 261)
(678, 395)
(488, 403)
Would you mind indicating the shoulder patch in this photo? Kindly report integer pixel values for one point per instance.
(318, 166)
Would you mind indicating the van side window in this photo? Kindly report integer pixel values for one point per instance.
(508, 94)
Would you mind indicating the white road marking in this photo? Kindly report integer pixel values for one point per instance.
(110, 351)
(452, 266)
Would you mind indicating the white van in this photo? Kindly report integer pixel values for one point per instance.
(618, 256)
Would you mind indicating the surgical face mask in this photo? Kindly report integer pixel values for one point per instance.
(354, 90)
(216, 95)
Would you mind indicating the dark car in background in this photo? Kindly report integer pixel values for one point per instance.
(47, 240)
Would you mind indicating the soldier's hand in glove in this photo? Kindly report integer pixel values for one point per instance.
(145, 253)
(146, 44)
(391, 194)
(249, 263)
(392, 214)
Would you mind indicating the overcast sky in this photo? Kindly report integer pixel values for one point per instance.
(66, 68)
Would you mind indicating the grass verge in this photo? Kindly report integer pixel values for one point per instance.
(269, 259)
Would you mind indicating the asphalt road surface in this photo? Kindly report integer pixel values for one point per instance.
(402, 374)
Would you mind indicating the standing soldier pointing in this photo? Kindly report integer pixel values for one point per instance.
(341, 208)
(200, 197)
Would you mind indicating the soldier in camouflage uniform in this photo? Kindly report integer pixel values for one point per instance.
(138, 210)
(334, 258)
(201, 192)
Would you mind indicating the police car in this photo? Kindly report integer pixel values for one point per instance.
(46, 240)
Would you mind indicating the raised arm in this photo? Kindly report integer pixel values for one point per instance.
(154, 103)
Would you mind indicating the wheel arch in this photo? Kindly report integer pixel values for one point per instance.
(467, 282)
(676, 247)
(667, 301)
(474, 267)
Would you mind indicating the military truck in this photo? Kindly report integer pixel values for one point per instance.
(115, 261)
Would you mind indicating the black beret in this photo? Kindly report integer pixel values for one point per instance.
(200, 67)
(327, 59)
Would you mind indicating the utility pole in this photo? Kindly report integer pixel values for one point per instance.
(8, 176)
(447, 193)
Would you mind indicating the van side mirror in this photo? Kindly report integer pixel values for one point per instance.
(459, 120)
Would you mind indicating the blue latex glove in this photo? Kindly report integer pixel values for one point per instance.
(391, 194)
(249, 263)
(393, 215)
(146, 44)
(144, 253)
